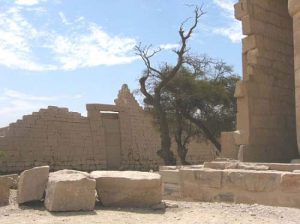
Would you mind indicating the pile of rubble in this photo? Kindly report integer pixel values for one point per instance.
(71, 190)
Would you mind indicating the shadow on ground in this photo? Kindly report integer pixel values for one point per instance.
(39, 206)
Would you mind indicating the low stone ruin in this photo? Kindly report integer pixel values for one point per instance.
(71, 190)
(7, 182)
(4, 192)
(128, 188)
(32, 183)
(232, 181)
(111, 137)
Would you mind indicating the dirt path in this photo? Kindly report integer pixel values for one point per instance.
(186, 213)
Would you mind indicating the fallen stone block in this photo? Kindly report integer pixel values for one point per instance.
(11, 180)
(32, 184)
(4, 191)
(128, 188)
(70, 190)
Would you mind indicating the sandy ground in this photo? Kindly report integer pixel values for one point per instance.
(185, 213)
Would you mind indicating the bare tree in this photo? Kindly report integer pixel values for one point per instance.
(161, 77)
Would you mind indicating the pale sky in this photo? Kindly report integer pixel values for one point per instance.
(69, 53)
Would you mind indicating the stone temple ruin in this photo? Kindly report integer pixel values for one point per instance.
(268, 118)
(114, 137)
(122, 136)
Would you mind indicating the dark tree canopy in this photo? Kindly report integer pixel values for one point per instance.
(204, 96)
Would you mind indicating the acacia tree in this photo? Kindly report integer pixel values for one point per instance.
(203, 103)
(153, 96)
(202, 95)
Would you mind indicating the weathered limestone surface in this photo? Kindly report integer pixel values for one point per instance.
(254, 181)
(115, 137)
(290, 183)
(296, 161)
(234, 164)
(294, 10)
(52, 136)
(171, 183)
(196, 183)
(128, 188)
(70, 190)
(11, 180)
(266, 124)
(229, 148)
(32, 184)
(240, 184)
(4, 191)
(234, 182)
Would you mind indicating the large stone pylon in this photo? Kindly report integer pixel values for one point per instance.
(294, 10)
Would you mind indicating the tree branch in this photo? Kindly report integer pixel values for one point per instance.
(181, 52)
(205, 130)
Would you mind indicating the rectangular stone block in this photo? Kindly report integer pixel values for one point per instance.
(256, 181)
(290, 182)
(170, 176)
(240, 9)
(229, 147)
(32, 184)
(70, 190)
(171, 191)
(221, 165)
(128, 188)
(202, 178)
(11, 180)
(4, 191)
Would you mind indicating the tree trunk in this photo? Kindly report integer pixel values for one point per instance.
(181, 149)
(165, 152)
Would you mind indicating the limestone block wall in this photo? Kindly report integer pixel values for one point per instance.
(294, 10)
(51, 136)
(266, 95)
(3, 131)
(140, 140)
(234, 182)
(273, 188)
(120, 136)
(199, 151)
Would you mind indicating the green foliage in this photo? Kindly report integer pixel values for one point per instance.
(187, 98)
(204, 91)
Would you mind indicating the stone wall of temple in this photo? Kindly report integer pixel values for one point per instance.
(140, 139)
(52, 136)
(266, 95)
(294, 10)
(120, 136)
